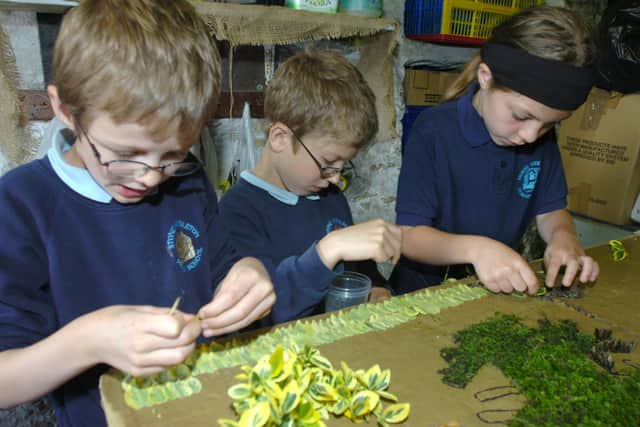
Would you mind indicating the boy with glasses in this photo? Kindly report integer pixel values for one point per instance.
(104, 233)
(288, 211)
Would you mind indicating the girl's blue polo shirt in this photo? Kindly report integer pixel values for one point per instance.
(455, 178)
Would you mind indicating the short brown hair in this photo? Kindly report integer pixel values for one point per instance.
(322, 91)
(150, 62)
(546, 31)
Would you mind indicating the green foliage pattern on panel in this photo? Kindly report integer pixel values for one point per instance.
(552, 367)
(181, 381)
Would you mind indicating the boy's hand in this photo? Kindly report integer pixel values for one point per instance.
(501, 269)
(565, 250)
(245, 294)
(141, 340)
(376, 239)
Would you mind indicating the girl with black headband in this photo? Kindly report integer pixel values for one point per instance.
(479, 168)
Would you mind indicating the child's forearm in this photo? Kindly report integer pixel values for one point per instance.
(432, 246)
(556, 223)
(29, 373)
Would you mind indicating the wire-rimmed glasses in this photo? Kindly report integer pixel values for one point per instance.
(136, 169)
(325, 171)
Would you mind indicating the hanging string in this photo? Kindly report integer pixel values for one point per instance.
(231, 49)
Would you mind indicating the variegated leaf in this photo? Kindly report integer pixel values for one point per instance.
(256, 416)
(239, 391)
(291, 397)
(397, 413)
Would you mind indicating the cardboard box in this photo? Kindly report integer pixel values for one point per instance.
(426, 87)
(600, 145)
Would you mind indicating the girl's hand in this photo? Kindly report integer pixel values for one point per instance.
(140, 340)
(245, 295)
(501, 269)
(565, 250)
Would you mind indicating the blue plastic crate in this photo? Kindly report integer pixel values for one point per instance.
(458, 21)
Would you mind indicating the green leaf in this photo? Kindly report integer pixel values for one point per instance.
(257, 416)
(239, 391)
(254, 380)
(227, 423)
(386, 395)
(291, 398)
(385, 380)
(364, 402)
(182, 371)
(323, 392)
(396, 413)
(287, 421)
(304, 380)
(194, 385)
(262, 368)
(372, 377)
(156, 395)
(170, 391)
(306, 412)
(277, 361)
(321, 362)
(166, 376)
(135, 398)
(274, 390)
(340, 406)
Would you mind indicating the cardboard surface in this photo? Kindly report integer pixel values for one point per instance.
(426, 87)
(600, 148)
(411, 351)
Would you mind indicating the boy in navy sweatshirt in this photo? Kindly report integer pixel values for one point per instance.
(288, 211)
(118, 219)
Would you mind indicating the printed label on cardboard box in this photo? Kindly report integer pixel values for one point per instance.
(600, 148)
(426, 87)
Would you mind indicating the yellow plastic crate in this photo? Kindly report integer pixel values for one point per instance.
(459, 21)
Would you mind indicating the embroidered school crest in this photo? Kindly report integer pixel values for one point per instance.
(181, 245)
(334, 224)
(528, 178)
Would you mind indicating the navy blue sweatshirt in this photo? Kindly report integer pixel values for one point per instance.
(282, 229)
(65, 255)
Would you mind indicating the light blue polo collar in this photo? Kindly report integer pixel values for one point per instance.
(277, 193)
(78, 179)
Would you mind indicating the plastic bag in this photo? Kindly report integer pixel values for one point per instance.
(205, 151)
(244, 155)
(619, 37)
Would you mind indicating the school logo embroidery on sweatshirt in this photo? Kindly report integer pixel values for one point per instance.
(181, 245)
(528, 178)
(334, 224)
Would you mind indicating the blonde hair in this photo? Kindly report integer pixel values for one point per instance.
(150, 62)
(545, 31)
(321, 91)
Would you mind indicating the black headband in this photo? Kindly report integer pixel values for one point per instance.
(555, 84)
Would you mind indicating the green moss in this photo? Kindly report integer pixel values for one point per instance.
(551, 367)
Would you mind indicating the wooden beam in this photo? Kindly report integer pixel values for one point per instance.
(36, 105)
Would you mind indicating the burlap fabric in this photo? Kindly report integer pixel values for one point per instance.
(274, 25)
(16, 145)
